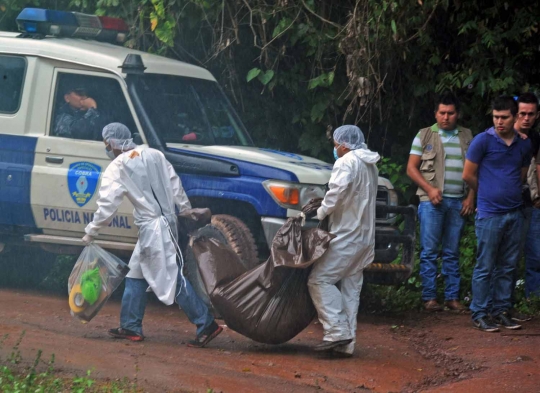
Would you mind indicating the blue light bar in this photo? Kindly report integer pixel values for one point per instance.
(43, 22)
(33, 14)
(50, 16)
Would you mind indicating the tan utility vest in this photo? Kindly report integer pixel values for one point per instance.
(432, 165)
(532, 180)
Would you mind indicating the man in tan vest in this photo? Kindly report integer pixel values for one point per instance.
(435, 165)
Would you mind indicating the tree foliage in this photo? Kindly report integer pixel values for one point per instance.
(297, 69)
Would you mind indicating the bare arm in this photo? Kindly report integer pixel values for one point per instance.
(467, 206)
(413, 171)
(524, 172)
(470, 175)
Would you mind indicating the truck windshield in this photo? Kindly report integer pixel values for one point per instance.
(190, 111)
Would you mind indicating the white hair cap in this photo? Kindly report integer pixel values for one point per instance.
(118, 137)
(350, 136)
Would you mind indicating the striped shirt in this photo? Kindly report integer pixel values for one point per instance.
(453, 182)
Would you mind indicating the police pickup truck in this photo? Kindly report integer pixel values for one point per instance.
(49, 177)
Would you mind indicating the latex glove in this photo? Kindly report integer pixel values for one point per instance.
(310, 208)
(87, 239)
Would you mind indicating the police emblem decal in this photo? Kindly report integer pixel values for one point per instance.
(82, 179)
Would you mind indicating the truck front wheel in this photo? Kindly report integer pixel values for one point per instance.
(228, 230)
(238, 237)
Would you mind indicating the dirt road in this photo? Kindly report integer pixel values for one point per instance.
(435, 353)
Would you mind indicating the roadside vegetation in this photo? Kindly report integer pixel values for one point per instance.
(295, 69)
(40, 376)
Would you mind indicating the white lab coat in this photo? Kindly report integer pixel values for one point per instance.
(350, 207)
(135, 174)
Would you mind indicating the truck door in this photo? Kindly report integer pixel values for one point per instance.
(70, 159)
(16, 150)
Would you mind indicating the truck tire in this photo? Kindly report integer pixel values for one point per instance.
(228, 230)
(239, 237)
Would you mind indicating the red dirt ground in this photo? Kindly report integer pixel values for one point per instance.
(420, 352)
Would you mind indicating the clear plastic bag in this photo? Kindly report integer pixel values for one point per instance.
(95, 276)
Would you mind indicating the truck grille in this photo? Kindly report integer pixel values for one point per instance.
(382, 199)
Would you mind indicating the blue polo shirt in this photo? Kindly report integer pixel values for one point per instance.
(499, 172)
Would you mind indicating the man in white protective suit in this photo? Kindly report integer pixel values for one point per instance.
(349, 205)
(148, 180)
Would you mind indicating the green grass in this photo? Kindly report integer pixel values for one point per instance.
(41, 376)
(31, 381)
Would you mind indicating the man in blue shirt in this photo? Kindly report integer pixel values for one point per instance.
(496, 167)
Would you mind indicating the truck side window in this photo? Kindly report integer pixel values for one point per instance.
(189, 111)
(84, 104)
(12, 70)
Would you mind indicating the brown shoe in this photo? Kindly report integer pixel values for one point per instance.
(432, 305)
(455, 305)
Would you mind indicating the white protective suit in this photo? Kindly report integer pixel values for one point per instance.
(131, 175)
(350, 207)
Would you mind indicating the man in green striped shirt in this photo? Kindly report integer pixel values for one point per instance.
(436, 166)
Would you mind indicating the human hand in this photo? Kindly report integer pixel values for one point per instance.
(88, 103)
(87, 239)
(523, 136)
(467, 206)
(536, 203)
(435, 195)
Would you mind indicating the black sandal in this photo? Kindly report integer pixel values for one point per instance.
(125, 334)
(204, 338)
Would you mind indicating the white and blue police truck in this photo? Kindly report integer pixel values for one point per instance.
(49, 179)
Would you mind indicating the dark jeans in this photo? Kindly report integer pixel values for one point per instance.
(527, 212)
(498, 240)
(134, 305)
(441, 226)
(532, 256)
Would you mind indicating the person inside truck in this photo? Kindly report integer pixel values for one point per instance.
(78, 117)
(349, 205)
(148, 180)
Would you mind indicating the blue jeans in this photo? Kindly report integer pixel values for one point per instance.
(527, 213)
(134, 304)
(498, 241)
(532, 256)
(440, 226)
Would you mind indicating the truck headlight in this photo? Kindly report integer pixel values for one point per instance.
(291, 195)
(393, 199)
